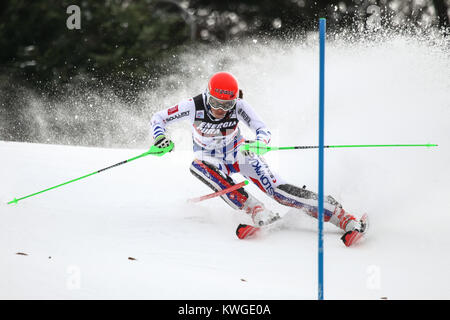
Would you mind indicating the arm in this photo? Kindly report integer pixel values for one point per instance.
(183, 111)
(247, 114)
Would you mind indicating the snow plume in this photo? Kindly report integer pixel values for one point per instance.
(382, 73)
(81, 116)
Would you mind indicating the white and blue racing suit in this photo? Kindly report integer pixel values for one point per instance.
(216, 148)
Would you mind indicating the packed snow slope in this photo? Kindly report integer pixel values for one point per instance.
(129, 233)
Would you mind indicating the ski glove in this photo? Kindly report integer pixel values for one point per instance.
(161, 146)
(258, 147)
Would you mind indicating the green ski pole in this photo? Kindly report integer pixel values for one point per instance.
(153, 151)
(264, 149)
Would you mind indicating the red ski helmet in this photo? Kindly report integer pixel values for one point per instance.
(223, 91)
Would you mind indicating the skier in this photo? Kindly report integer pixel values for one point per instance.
(215, 115)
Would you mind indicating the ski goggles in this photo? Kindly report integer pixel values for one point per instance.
(225, 105)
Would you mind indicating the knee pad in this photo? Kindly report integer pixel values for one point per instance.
(217, 180)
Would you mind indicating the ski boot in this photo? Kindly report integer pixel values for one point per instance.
(356, 230)
(262, 217)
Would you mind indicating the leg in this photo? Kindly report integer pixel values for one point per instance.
(300, 198)
(217, 180)
(240, 199)
(256, 169)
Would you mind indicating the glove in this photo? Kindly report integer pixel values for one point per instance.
(162, 142)
(251, 147)
(162, 145)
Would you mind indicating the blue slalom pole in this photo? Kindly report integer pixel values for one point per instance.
(322, 28)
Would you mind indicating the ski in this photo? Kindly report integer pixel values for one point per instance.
(246, 231)
(352, 237)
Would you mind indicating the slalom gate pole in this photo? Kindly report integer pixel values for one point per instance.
(322, 30)
(219, 193)
(153, 151)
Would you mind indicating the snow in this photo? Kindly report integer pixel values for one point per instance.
(79, 237)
